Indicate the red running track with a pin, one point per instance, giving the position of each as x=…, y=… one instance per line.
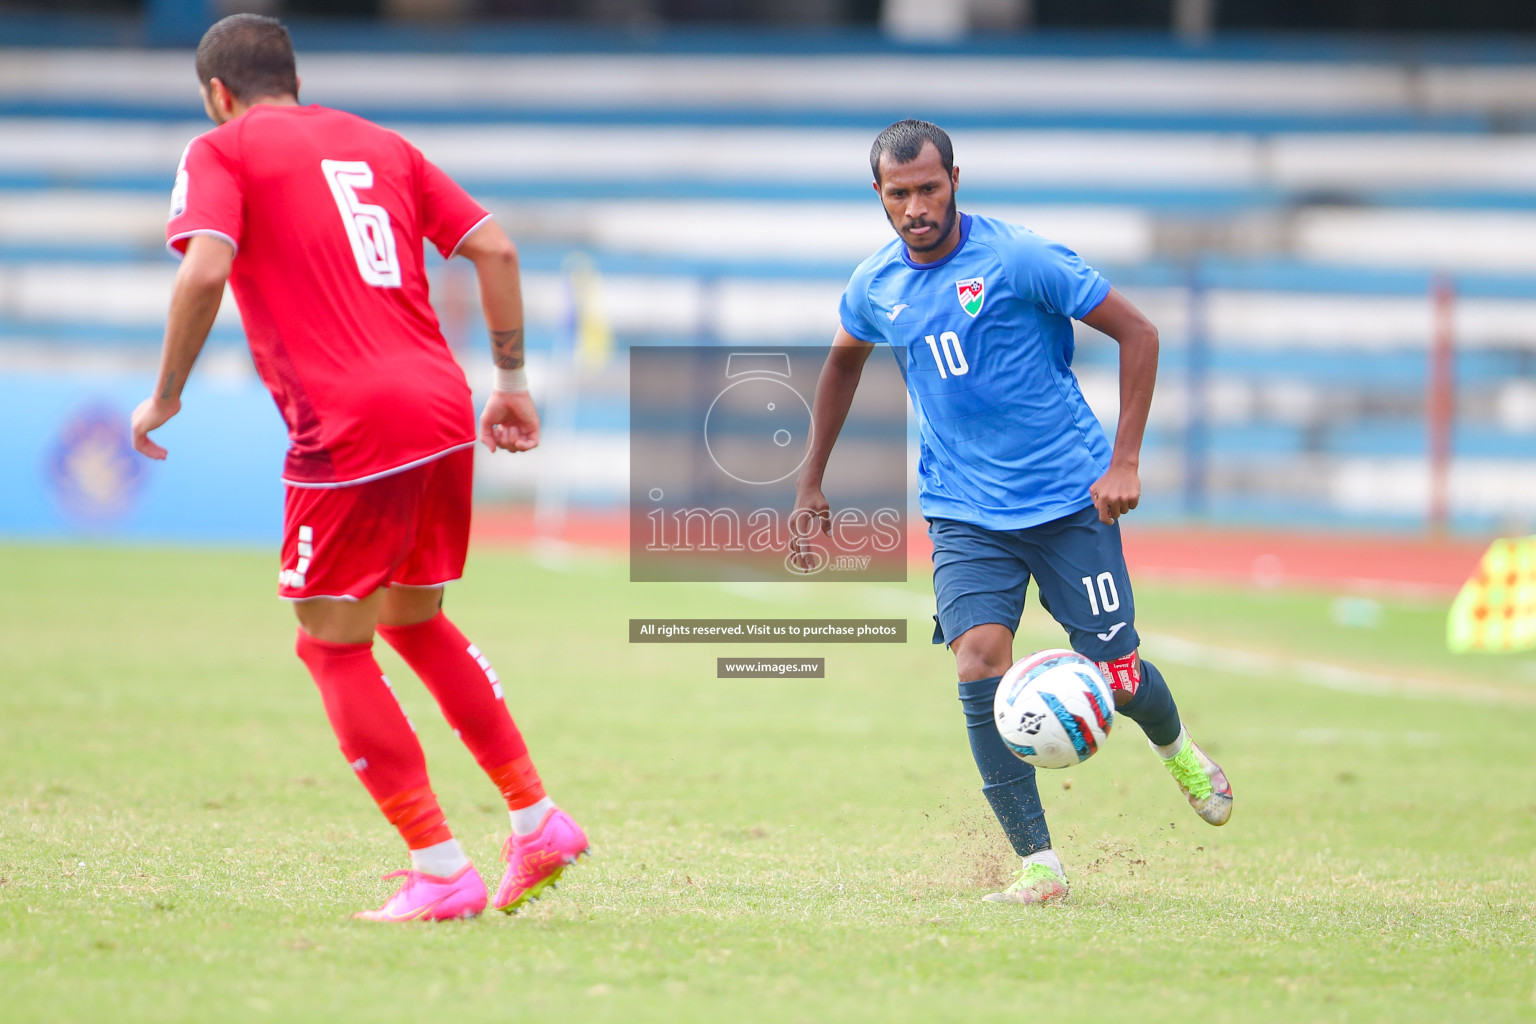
x=1383, y=563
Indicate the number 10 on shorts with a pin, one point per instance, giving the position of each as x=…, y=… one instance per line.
x=1107, y=597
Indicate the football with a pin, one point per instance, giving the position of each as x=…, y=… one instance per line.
x=1054, y=708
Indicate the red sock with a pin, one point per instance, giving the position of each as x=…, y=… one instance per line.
x=468, y=691
x=375, y=737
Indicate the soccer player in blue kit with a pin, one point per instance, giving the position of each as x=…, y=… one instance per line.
x=1016, y=478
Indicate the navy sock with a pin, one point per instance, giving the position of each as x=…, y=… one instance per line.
x=1153, y=708
x=1007, y=782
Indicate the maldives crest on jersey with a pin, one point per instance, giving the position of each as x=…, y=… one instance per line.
x=972, y=292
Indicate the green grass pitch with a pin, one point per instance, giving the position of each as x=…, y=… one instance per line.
x=181, y=841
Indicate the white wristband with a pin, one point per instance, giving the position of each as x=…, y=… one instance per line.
x=512, y=382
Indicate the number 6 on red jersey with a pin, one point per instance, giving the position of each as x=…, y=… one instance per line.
x=367, y=225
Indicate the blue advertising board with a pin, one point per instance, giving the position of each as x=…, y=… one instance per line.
x=68, y=469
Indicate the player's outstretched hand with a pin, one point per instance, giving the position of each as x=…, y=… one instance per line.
x=152, y=413
x=509, y=421
x=812, y=513
x=1116, y=492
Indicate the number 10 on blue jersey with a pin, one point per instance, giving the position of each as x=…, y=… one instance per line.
x=950, y=341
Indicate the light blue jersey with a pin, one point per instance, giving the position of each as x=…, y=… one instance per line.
x=984, y=337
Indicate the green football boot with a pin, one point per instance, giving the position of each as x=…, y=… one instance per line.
x=1203, y=782
x=1034, y=883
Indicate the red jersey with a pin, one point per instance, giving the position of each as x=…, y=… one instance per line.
x=327, y=213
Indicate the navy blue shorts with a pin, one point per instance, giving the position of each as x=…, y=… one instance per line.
x=981, y=575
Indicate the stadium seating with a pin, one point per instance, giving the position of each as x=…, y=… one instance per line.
x=1281, y=219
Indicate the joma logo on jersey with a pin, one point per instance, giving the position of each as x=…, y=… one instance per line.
x=971, y=292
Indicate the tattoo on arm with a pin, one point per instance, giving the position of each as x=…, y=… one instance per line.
x=507, y=348
x=170, y=385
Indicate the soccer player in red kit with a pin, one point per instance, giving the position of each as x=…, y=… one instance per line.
x=316, y=220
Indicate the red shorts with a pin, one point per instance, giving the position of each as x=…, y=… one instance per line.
x=410, y=528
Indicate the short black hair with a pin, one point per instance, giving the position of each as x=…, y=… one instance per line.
x=251, y=54
x=904, y=140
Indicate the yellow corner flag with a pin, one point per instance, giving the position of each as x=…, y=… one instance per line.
x=1496, y=609
x=589, y=319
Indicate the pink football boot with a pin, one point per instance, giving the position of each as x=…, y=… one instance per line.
x=430, y=898
x=535, y=861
